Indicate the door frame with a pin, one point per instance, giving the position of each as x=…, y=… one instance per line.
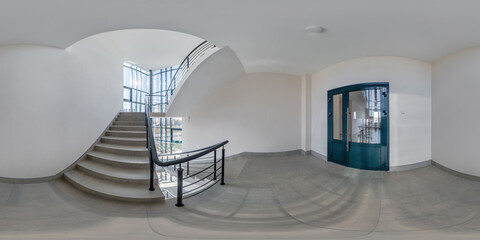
x=345, y=90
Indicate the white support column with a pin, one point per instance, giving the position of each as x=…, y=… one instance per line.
x=306, y=111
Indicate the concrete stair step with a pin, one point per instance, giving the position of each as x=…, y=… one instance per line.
x=125, y=141
x=129, y=123
x=122, y=149
x=133, y=134
x=115, y=173
x=131, y=114
x=128, y=128
x=113, y=190
x=135, y=119
x=119, y=160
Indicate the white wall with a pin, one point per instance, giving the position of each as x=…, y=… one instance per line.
x=258, y=112
x=54, y=104
x=213, y=69
x=410, y=103
x=455, y=111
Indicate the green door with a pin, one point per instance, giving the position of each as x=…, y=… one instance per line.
x=358, y=126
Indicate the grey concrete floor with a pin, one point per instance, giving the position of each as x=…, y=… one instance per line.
x=292, y=197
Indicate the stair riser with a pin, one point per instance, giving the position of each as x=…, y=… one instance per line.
x=129, y=123
x=104, y=195
x=118, y=164
x=115, y=179
x=128, y=128
x=135, y=119
x=122, y=151
x=127, y=134
x=125, y=142
x=130, y=114
x=142, y=116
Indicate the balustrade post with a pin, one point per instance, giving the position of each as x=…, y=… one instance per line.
x=215, y=165
x=152, y=167
x=146, y=126
x=179, y=188
x=188, y=166
x=223, y=166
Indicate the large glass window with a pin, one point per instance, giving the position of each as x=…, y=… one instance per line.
x=168, y=134
x=136, y=89
x=136, y=86
x=161, y=81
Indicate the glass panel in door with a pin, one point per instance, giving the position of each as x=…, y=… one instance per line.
x=364, y=116
x=366, y=129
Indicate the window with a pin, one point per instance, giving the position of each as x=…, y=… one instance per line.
x=136, y=88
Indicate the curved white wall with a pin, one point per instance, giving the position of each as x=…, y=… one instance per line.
x=213, y=69
x=410, y=103
x=55, y=103
x=455, y=111
x=257, y=112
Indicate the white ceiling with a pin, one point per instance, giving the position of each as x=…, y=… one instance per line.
x=267, y=35
x=153, y=49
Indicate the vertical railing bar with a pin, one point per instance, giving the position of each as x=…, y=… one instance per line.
x=179, y=188
x=215, y=164
x=223, y=166
x=188, y=166
x=152, y=167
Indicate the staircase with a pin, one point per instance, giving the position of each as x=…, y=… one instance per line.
x=118, y=166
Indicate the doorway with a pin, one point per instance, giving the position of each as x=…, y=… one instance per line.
x=358, y=126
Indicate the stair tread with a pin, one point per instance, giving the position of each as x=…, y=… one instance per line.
x=130, y=122
x=115, y=171
x=125, y=191
x=131, y=126
x=119, y=157
x=124, y=131
x=122, y=147
x=134, y=121
x=125, y=138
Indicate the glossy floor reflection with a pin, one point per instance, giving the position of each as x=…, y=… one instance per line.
x=291, y=197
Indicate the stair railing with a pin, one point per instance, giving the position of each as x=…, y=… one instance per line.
x=196, y=53
x=206, y=174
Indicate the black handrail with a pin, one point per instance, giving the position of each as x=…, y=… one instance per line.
x=153, y=158
x=181, y=153
x=189, y=60
x=192, y=157
x=186, y=61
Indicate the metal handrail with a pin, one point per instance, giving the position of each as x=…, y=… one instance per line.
x=181, y=153
x=183, y=62
x=166, y=94
x=187, y=61
x=153, y=158
x=191, y=157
